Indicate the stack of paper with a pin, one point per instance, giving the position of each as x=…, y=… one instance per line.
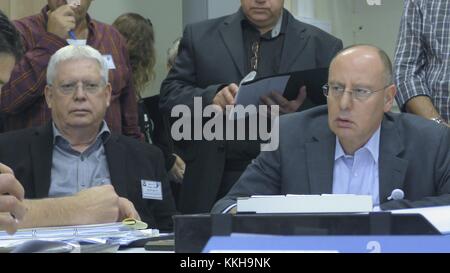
x=107, y=234
x=326, y=203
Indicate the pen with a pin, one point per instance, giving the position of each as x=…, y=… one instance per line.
x=72, y=35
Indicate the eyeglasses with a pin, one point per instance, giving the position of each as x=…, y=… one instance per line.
x=88, y=87
x=254, y=58
x=338, y=91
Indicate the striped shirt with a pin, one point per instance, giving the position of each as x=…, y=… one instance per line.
x=422, y=58
x=22, y=99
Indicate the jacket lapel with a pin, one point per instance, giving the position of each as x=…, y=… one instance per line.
x=231, y=32
x=392, y=169
x=320, y=161
x=41, y=158
x=295, y=41
x=116, y=158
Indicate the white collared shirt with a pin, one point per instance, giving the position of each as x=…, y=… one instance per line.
x=358, y=174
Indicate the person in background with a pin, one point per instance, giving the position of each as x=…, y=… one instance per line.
x=58, y=24
x=422, y=62
x=214, y=56
x=12, y=209
x=74, y=169
x=139, y=35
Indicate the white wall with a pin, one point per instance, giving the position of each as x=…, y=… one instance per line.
x=218, y=8
x=166, y=16
x=354, y=21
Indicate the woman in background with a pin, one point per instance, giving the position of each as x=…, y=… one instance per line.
x=138, y=31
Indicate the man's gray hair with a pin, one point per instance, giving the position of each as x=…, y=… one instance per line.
x=72, y=52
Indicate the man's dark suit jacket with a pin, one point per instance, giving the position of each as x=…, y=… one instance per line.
x=414, y=156
x=29, y=153
x=211, y=55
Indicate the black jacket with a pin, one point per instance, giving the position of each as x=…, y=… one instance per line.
x=211, y=55
x=29, y=153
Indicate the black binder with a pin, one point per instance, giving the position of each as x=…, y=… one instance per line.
x=312, y=79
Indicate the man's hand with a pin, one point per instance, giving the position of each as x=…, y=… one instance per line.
x=61, y=21
x=127, y=210
x=12, y=209
x=286, y=106
x=178, y=168
x=226, y=96
x=101, y=205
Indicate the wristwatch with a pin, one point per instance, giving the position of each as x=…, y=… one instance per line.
x=438, y=120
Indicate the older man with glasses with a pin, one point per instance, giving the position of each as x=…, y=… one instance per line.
x=74, y=169
x=355, y=145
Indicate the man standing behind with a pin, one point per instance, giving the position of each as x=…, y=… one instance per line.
x=422, y=60
x=22, y=98
x=214, y=57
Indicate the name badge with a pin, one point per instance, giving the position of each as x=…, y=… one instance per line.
x=151, y=190
x=109, y=61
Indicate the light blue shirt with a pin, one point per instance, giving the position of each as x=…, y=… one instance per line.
x=73, y=171
x=358, y=174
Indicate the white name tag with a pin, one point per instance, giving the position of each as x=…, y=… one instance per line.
x=151, y=190
x=109, y=61
x=76, y=42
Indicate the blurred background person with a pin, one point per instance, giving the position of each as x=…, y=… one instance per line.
x=22, y=99
x=422, y=60
x=140, y=39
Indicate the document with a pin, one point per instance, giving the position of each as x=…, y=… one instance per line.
x=438, y=216
x=326, y=203
x=288, y=85
x=120, y=234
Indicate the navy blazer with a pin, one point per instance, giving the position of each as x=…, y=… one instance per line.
x=29, y=153
x=414, y=156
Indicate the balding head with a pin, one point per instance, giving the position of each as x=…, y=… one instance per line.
x=370, y=50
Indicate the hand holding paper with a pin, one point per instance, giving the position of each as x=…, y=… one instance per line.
x=286, y=106
x=226, y=96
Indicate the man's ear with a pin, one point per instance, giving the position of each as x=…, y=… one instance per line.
x=48, y=96
x=389, y=97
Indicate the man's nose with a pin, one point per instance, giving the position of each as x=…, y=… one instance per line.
x=79, y=91
x=346, y=100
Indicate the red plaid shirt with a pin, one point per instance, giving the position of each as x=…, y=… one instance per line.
x=22, y=99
